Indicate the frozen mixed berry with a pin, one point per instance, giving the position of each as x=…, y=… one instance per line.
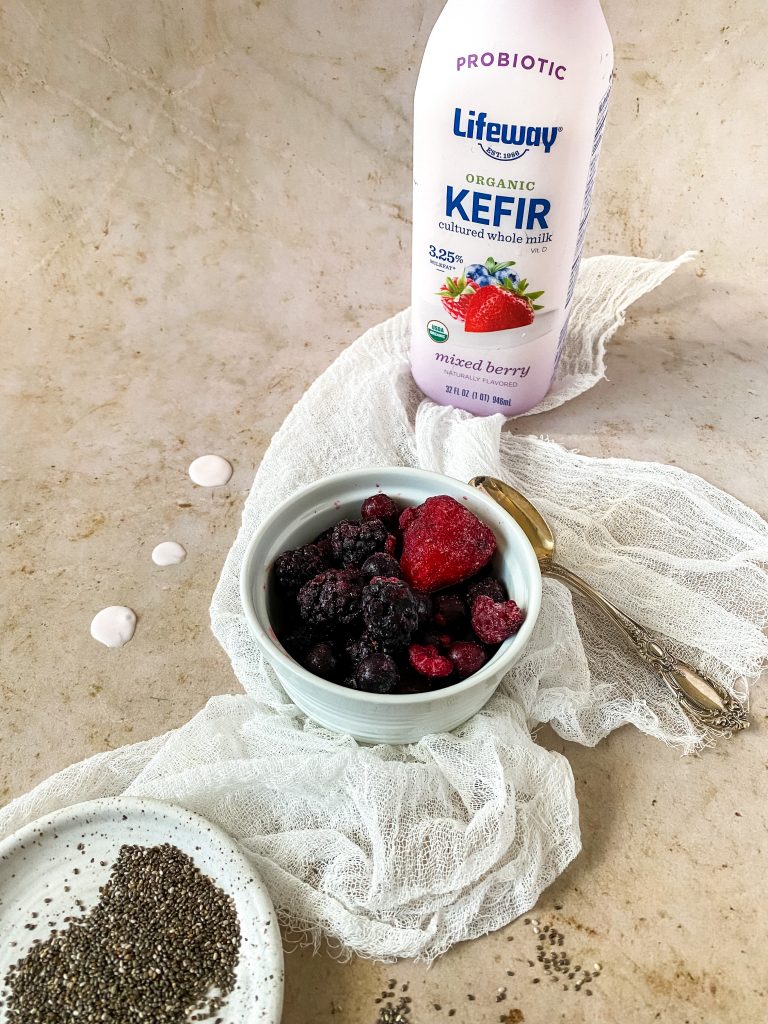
x=331, y=599
x=381, y=564
x=444, y=544
x=381, y=506
x=428, y=661
x=423, y=607
x=321, y=661
x=354, y=542
x=448, y=610
x=323, y=541
x=378, y=673
x=298, y=639
x=294, y=568
x=390, y=609
x=467, y=658
x=495, y=621
x=407, y=516
x=363, y=646
x=488, y=587
x=441, y=640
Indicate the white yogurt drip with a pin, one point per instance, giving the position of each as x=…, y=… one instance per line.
x=113, y=626
x=168, y=553
x=210, y=471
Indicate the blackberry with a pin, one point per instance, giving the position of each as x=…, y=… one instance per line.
x=390, y=609
x=378, y=673
x=354, y=542
x=489, y=586
x=294, y=568
x=331, y=599
x=381, y=564
x=381, y=506
x=363, y=646
x=321, y=661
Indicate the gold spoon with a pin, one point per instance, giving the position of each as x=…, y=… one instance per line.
x=707, y=703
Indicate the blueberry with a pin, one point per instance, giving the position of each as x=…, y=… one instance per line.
x=507, y=274
x=478, y=274
x=321, y=661
x=377, y=673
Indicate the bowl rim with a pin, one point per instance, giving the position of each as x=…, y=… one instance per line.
x=273, y=652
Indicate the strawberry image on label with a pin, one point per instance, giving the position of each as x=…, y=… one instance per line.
x=501, y=307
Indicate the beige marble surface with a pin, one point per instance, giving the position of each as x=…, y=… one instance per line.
x=201, y=205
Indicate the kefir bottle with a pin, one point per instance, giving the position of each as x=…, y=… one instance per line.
x=508, y=118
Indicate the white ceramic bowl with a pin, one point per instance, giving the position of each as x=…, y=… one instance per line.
x=372, y=717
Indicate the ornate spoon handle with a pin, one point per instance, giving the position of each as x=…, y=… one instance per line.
x=704, y=700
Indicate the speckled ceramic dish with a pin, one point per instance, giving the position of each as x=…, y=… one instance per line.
x=77, y=848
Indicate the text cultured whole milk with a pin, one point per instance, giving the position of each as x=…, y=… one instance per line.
x=508, y=118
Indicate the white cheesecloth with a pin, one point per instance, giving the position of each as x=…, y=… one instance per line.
x=340, y=832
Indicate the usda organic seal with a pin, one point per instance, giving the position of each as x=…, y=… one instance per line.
x=437, y=331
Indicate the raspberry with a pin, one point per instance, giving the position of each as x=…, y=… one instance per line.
x=380, y=506
x=444, y=544
x=448, y=610
x=381, y=564
x=294, y=568
x=321, y=661
x=390, y=610
x=488, y=587
x=494, y=621
x=363, y=646
x=467, y=658
x=378, y=673
x=354, y=542
x=333, y=598
x=407, y=516
x=428, y=661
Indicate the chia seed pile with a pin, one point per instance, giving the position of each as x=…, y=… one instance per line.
x=160, y=947
x=399, y=601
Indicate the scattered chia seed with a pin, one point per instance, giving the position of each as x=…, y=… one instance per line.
x=395, y=1014
x=162, y=936
x=554, y=962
